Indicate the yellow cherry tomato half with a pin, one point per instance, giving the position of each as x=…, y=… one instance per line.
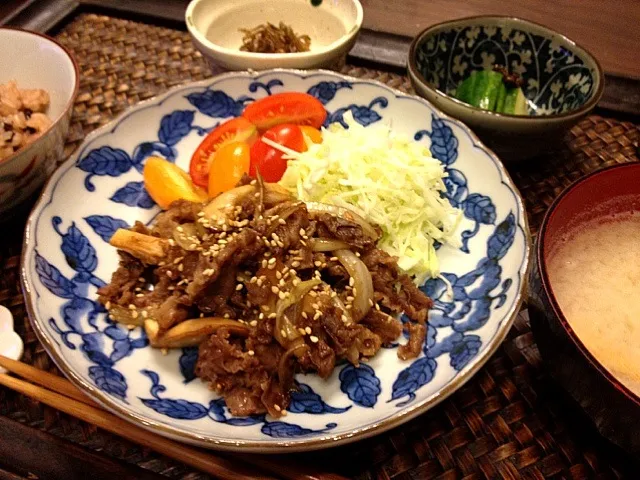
x=311, y=133
x=229, y=164
x=166, y=183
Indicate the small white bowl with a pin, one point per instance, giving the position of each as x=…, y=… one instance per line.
x=215, y=26
x=36, y=61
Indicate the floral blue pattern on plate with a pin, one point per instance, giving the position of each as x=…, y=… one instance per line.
x=67, y=257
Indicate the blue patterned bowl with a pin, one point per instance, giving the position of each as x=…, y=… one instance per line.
x=99, y=189
x=562, y=81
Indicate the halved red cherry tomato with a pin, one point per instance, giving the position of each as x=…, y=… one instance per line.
x=229, y=163
x=291, y=107
x=268, y=160
x=235, y=130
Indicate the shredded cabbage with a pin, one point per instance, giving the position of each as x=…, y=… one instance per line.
x=388, y=179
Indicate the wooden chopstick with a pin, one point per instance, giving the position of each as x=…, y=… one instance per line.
x=45, y=379
x=211, y=464
x=65, y=397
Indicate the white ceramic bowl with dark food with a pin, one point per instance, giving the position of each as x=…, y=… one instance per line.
x=36, y=61
x=613, y=408
x=215, y=26
x=563, y=82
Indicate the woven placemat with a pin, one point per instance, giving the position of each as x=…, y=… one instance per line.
x=509, y=421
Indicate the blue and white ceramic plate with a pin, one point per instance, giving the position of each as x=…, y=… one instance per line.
x=67, y=257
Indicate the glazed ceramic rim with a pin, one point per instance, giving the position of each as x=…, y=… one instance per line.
x=415, y=74
x=68, y=106
x=280, y=446
x=315, y=54
x=548, y=289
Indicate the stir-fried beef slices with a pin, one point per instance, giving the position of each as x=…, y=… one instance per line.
x=267, y=287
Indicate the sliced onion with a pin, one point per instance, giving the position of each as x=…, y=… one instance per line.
x=275, y=194
x=283, y=212
x=367, y=229
x=285, y=373
x=125, y=316
x=193, y=332
x=221, y=207
x=184, y=236
x=286, y=324
x=327, y=245
x=362, y=282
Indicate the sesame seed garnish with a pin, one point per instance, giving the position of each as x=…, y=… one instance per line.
x=296, y=281
x=131, y=327
x=357, y=254
x=281, y=283
x=370, y=303
x=344, y=318
x=239, y=287
x=226, y=315
x=317, y=263
x=308, y=330
x=282, y=295
x=295, y=264
x=302, y=232
x=333, y=259
x=264, y=264
x=350, y=298
x=137, y=289
x=169, y=273
x=271, y=266
x=132, y=306
x=178, y=260
x=107, y=305
x=134, y=314
x=172, y=242
x=139, y=295
x=275, y=236
x=253, y=323
x=272, y=315
x=377, y=307
x=313, y=338
x=315, y=306
x=313, y=294
x=303, y=243
x=251, y=353
x=348, y=307
x=144, y=313
x=355, y=291
x=253, y=279
x=261, y=316
x=302, y=331
x=271, y=261
x=304, y=315
x=164, y=351
x=259, y=282
x=181, y=267
x=352, y=281
x=275, y=289
x=317, y=315
x=201, y=315
x=277, y=407
x=282, y=221
x=111, y=317
x=283, y=333
x=278, y=275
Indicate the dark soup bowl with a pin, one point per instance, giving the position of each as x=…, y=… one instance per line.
x=582, y=301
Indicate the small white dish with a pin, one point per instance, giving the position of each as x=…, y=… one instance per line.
x=36, y=61
x=11, y=345
x=215, y=26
